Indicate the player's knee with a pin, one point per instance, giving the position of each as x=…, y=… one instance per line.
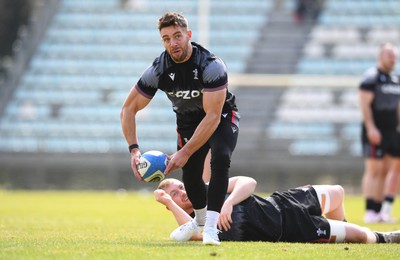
x=340, y=191
x=221, y=160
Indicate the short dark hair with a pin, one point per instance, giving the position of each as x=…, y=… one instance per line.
x=172, y=19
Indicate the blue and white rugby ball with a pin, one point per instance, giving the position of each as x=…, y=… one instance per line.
x=152, y=166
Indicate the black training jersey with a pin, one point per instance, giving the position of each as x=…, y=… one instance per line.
x=254, y=219
x=184, y=84
x=386, y=89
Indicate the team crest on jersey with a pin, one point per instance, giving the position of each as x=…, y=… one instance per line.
x=195, y=74
x=172, y=76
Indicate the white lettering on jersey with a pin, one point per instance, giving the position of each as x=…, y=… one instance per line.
x=391, y=89
x=321, y=232
x=185, y=94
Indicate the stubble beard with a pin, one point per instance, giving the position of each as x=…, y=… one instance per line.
x=183, y=57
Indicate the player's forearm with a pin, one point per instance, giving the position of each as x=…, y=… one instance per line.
x=180, y=215
x=128, y=124
x=367, y=117
x=243, y=189
x=365, y=100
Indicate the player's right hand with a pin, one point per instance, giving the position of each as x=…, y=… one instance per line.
x=135, y=158
x=374, y=136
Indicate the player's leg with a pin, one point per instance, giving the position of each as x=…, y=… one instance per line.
x=351, y=233
x=373, y=178
x=192, y=177
x=392, y=186
x=207, y=168
x=192, y=174
x=331, y=200
x=196, y=191
x=222, y=144
x=372, y=188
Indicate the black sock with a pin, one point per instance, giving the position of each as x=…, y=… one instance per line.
x=379, y=238
x=373, y=205
x=389, y=199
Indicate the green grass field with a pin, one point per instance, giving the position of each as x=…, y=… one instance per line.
x=118, y=225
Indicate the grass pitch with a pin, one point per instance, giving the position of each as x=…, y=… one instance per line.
x=121, y=225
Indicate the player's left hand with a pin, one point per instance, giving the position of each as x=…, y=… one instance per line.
x=225, y=216
x=162, y=197
x=176, y=161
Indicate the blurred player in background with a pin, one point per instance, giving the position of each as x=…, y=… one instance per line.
x=379, y=94
x=290, y=216
x=196, y=82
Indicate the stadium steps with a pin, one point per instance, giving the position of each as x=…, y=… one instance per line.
x=280, y=44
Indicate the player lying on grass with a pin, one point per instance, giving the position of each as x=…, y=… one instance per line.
x=294, y=215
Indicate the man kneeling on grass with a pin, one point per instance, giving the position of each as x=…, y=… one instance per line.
x=294, y=215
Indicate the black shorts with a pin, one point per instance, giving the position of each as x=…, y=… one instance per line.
x=301, y=216
x=390, y=144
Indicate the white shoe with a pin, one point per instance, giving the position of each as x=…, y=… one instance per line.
x=391, y=237
x=210, y=236
x=372, y=217
x=386, y=218
x=185, y=232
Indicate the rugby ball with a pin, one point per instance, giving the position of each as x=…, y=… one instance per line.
x=152, y=165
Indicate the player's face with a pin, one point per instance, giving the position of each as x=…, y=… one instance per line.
x=176, y=41
x=178, y=194
x=388, y=59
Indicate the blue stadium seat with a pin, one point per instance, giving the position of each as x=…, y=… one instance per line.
x=287, y=130
x=316, y=147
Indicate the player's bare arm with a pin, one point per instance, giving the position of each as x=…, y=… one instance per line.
x=212, y=103
x=240, y=188
x=164, y=198
x=366, y=98
x=133, y=104
x=180, y=215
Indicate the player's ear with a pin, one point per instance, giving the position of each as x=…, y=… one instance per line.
x=189, y=33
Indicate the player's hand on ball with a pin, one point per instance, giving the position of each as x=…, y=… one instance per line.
x=176, y=161
x=135, y=159
x=152, y=165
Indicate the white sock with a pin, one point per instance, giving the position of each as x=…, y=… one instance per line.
x=387, y=208
x=212, y=219
x=200, y=216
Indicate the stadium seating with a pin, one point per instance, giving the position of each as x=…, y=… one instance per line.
x=344, y=41
x=317, y=122
x=348, y=33
x=92, y=54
